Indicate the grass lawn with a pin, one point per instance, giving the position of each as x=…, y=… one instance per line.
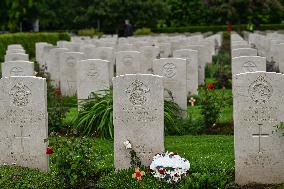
x=210, y=156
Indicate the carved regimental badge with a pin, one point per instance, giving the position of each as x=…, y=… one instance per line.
x=249, y=67
x=20, y=95
x=169, y=70
x=137, y=92
x=260, y=90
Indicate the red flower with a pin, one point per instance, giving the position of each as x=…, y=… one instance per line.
x=162, y=171
x=229, y=27
x=138, y=174
x=57, y=91
x=49, y=150
x=176, y=175
x=210, y=86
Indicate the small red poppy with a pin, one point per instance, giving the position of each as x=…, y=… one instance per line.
x=162, y=171
x=49, y=150
x=210, y=86
x=57, y=92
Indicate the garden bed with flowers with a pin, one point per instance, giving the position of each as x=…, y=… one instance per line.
x=88, y=163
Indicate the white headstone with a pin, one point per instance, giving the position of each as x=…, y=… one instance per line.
x=23, y=120
x=138, y=116
x=68, y=72
x=17, y=68
x=16, y=56
x=244, y=64
x=258, y=107
x=128, y=62
x=191, y=57
x=92, y=76
x=149, y=53
x=244, y=52
x=174, y=72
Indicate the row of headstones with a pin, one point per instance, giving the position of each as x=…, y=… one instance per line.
x=245, y=57
x=258, y=97
x=16, y=62
x=138, y=108
x=271, y=46
x=92, y=69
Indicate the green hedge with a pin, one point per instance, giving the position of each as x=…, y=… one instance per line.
x=28, y=41
x=214, y=28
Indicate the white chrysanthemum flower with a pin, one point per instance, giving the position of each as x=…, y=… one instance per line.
x=127, y=144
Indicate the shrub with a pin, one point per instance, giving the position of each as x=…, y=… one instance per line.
x=57, y=106
x=211, y=104
x=89, y=32
x=95, y=117
x=76, y=162
x=20, y=177
x=28, y=40
x=143, y=31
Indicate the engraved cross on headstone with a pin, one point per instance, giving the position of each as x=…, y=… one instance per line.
x=260, y=135
x=22, y=137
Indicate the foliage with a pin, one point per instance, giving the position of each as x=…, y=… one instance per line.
x=57, y=106
x=28, y=41
x=172, y=118
x=95, y=117
x=76, y=161
x=89, y=32
x=211, y=158
x=19, y=178
x=143, y=31
x=211, y=103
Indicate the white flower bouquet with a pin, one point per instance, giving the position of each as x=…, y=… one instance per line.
x=169, y=167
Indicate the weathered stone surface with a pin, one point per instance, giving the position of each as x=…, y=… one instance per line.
x=174, y=72
x=244, y=52
x=128, y=62
x=16, y=56
x=149, y=53
x=244, y=64
x=68, y=72
x=258, y=107
x=191, y=57
x=92, y=76
x=17, y=68
x=23, y=120
x=138, y=116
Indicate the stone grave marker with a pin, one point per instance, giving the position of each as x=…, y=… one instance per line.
x=105, y=53
x=53, y=64
x=92, y=76
x=16, y=56
x=17, y=68
x=244, y=52
x=149, y=53
x=128, y=62
x=191, y=57
x=15, y=46
x=68, y=72
x=174, y=72
x=138, y=116
x=244, y=64
x=258, y=107
x=23, y=120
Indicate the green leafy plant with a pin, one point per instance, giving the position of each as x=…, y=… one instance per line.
x=143, y=31
x=75, y=162
x=28, y=41
x=95, y=116
x=89, y=32
x=211, y=103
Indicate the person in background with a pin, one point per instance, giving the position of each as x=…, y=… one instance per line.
x=128, y=29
